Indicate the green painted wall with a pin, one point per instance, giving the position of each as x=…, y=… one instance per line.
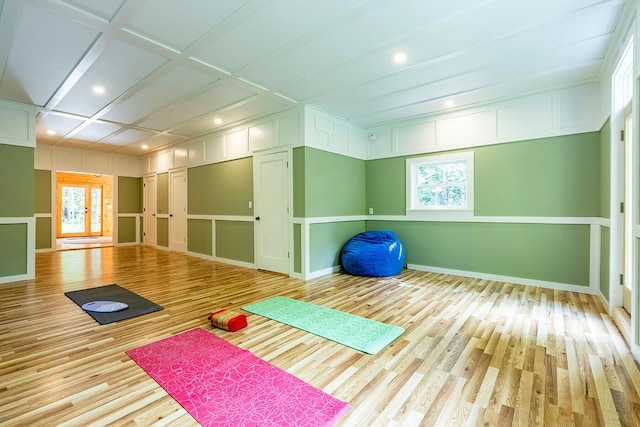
x=543, y=177
x=549, y=252
x=326, y=241
x=13, y=248
x=162, y=229
x=605, y=170
x=221, y=188
x=16, y=182
x=199, y=232
x=556, y=176
x=298, y=172
x=335, y=185
x=234, y=240
x=126, y=230
x=163, y=194
x=17, y=194
x=42, y=191
x=43, y=233
x=297, y=248
x=386, y=192
x=129, y=201
x=326, y=185
x=129, y=195
x=42, y=205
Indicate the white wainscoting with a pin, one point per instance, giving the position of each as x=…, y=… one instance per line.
x=594, y=250
x=214, y=256
x=31, y=248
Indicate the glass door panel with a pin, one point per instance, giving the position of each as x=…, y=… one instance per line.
x=73, y=220
x=81, y=210
x=96, y=211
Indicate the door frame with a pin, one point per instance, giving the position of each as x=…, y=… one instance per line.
x=107, y=208
x=623, y=261
x=289, y=199
x=630, y=200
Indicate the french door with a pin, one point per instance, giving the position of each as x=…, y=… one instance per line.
x=81, y=210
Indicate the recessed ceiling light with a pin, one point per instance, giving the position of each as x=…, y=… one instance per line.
x=98, y=89
x=217, y=120
x=400, y=58
x=145, y=146
x=51, y=132
x=449, y=103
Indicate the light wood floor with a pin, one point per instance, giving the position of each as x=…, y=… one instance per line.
x=70, y=245
x=475, y=352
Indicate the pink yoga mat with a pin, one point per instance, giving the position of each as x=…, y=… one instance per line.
x=220, y=384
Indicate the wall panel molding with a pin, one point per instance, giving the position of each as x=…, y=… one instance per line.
x=594, y=250
x=53, y=158
x=555, y=113
x=278, y=130
x=30, y=237
x=17, y=124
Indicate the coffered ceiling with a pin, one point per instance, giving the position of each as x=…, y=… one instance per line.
x=115, y=75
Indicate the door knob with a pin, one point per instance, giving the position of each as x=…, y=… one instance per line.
x=257, y=218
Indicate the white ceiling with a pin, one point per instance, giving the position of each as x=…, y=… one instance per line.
x=169, y=68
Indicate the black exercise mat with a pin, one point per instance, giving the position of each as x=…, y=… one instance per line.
x=137, y=305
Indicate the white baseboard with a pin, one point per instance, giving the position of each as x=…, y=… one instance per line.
x=508, y=279
x=222, y=260
x=320, y=273
x=235, y=262
x=16, y=278
x=604, y=302
x=199, y=255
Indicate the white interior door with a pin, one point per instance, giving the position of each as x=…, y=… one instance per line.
x=150, y=210
x=178, y=211
x=271, y=209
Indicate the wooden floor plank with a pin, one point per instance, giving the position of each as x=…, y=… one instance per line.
x=474, y=352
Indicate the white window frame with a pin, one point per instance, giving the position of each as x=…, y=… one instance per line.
x=412, y=195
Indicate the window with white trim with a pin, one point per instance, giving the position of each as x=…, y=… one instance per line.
x=440, y=182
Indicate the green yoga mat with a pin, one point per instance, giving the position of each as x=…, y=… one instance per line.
x=357, y=332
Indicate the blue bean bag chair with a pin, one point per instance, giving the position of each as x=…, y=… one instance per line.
x=373, y=253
